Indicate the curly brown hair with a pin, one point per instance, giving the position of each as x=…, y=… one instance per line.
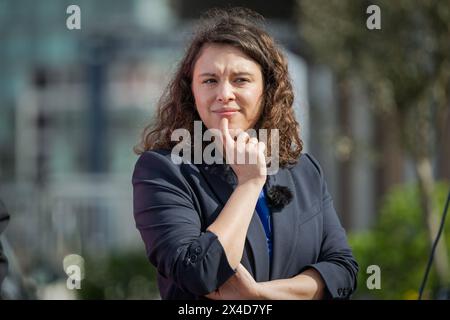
x=243, y=29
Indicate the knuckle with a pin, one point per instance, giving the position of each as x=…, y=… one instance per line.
x=244, y=135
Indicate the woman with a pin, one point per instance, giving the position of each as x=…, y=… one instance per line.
x=231, y=231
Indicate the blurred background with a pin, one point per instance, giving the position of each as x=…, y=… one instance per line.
x=373, y=105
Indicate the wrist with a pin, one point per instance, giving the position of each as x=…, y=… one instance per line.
x=258, y=183
x=260, y=291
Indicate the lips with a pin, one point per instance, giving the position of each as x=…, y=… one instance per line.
x=226, y=111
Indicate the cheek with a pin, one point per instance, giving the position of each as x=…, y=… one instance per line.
x=202, y=99
x=203, y=103
x=253, y=100
x=202, y=108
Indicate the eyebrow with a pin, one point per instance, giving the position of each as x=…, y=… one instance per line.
x=209, y=74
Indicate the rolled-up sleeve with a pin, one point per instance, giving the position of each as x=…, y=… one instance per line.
x=171, y=228
x=336, y=263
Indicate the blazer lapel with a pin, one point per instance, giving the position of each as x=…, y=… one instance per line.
x=256, y=237
x=223, y=184
x=284, y=228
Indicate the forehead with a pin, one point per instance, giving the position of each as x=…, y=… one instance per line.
x=222, y=57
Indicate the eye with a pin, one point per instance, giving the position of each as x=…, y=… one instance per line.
x=242, y=80
x=208, y=81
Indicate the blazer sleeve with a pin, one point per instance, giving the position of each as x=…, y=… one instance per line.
x=336, y=263
x=170, y=227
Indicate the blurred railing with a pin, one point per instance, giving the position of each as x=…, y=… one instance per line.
x=85, y=215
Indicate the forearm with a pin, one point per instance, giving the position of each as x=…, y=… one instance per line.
x=307, y=285
x=232, y=223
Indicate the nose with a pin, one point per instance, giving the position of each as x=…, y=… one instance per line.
x=225, y=92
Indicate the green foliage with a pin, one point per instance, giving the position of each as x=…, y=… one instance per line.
x=404, y=65
x=411, y=45
x=124, y=275
x=399, y=245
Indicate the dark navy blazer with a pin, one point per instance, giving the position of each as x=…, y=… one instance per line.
x=174, y=204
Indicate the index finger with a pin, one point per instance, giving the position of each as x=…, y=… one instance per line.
x=224, y=129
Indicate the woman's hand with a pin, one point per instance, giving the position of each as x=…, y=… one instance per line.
x=231, y=225
x=241, y=286
x=245, y=155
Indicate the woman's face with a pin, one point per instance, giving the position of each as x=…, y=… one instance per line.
x=227, y=83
